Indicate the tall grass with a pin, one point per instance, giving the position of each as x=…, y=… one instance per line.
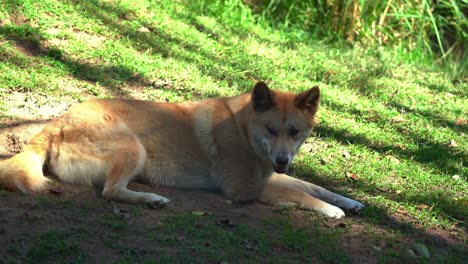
x=438, y=29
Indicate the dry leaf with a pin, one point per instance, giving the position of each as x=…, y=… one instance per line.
x=461, y=121
x=397, y=119
x=402, y=147
x=402, y=211
x=352, y=176
x=424, y=207
x=199, y=213
x=393, y=159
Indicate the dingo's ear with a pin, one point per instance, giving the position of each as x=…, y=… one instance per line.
x=308, y=100
x=261, y=97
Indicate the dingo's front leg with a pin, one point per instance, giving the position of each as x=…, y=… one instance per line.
x=282, y=188
x=277, y=194
x=317, y=191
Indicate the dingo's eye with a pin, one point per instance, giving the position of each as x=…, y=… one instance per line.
x=293, y=132
x=272, y=131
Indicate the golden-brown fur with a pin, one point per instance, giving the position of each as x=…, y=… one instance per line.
x=240, y=145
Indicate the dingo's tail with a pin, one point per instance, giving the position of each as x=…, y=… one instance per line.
x=24, y=170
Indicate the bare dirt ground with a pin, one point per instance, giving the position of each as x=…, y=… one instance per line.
x=70, y=207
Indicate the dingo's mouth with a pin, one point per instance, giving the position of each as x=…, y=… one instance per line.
x=280, y=168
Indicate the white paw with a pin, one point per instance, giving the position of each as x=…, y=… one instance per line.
x=156, y=201
x=350, y=204
x=332, y=211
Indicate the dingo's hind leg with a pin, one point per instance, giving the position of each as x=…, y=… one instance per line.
x=127, y=162
x=117, y=190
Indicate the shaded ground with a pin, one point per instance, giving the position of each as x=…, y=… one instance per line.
x=81, y=210
x=74, y=224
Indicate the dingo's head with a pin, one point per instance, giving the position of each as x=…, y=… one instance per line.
x=280, y=123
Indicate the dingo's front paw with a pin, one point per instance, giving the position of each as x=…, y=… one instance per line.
x=350, y=204
x=157, y=202
x=332, y=212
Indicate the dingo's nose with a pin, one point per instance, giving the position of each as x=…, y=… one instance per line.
x=282, y=160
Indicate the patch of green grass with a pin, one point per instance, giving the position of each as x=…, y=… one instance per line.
x=212, y=241
x=113, y=221
x=396, y=124
x=419, y=30
x=114, y=241
x=84, y=209
x=53, y=245
x=313, y=242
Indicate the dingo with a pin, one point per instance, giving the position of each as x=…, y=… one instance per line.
x=240, y=145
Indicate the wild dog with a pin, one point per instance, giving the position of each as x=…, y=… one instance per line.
x=241, y=145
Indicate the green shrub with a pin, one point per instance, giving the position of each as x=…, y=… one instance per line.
x=433, y=29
